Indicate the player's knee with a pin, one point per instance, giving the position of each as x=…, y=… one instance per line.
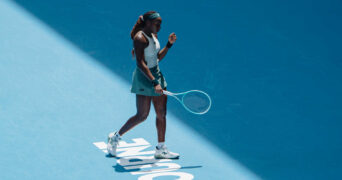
x=161, y=115
x=142, y=117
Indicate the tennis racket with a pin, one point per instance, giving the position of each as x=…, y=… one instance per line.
x=194, y=101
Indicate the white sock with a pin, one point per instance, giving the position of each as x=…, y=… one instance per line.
x=160, y=144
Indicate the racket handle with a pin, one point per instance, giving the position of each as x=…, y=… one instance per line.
x=167, y=92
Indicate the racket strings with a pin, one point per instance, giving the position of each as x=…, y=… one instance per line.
x=197, y=102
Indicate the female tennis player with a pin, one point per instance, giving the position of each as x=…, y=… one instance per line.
x=148, y=82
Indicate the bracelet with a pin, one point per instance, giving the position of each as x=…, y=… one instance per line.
x=155, y=82
x=169, y=45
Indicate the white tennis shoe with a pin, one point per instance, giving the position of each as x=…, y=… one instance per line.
x=113, y=141
x=164, y=153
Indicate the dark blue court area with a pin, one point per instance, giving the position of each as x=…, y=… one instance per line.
x=273, y=70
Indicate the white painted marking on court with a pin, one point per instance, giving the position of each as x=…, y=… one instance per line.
x=131, y=158
x=170, y=167
x=100, y=145
x=126, y=161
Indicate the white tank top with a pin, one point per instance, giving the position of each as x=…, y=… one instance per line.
x=151, y=51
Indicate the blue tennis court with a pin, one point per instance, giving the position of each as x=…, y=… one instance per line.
x=273, y=70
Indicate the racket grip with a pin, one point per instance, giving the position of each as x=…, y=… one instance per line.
x=167, y=93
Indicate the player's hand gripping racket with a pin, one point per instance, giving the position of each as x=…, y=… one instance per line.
x=195, y=101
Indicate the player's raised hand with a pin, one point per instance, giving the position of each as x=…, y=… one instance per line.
x=172, y=38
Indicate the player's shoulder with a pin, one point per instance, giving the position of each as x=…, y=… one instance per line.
x=140, y=38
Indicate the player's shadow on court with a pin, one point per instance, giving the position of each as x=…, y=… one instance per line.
x=126, y=169
x=110, y=156
x=145, y=165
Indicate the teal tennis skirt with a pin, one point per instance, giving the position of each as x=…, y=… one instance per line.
x=143, y=86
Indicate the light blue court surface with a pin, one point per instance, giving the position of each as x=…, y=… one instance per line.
x=272, y=69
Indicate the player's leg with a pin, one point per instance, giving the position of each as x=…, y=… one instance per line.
x=143, y=104
x=159, y=103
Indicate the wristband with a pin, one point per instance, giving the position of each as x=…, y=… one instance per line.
x=155, y=82
x=169, y=45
